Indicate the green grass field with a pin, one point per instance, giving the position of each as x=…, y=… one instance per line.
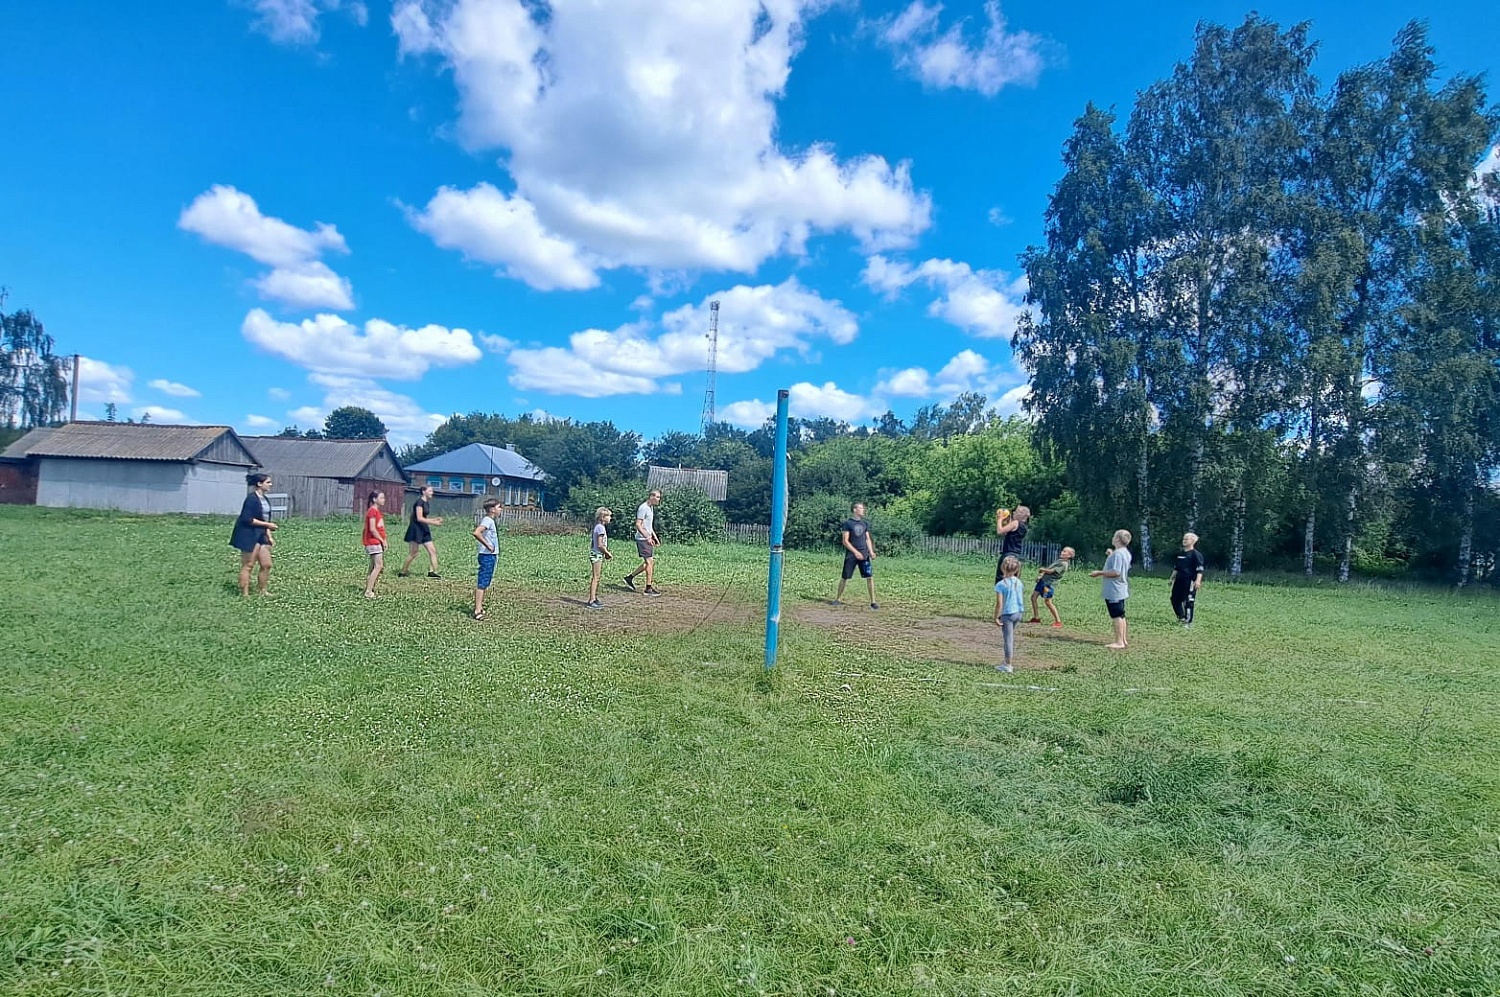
x=315, y=794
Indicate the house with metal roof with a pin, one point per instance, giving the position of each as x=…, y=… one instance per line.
x=129, y=467
x=480, y=469
x=330, y=477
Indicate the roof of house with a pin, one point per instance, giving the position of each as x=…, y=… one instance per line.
x=134, y=441
x=714, y=484
x=480, y=459
x=318, y=458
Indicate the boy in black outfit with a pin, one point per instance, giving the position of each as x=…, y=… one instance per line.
x=1187, y=578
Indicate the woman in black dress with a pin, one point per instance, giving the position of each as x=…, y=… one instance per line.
x=419, y=535
x=252, y=533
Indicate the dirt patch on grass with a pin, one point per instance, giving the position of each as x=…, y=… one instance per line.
x=961, y=640
x=676, y=611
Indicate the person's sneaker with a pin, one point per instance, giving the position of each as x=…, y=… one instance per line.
x=1057, y=625
x=1007, y=669
x=402, y=574
x=835, y=602
x=874, y=605
x=433, y=574
x=652, y=590
x=1035, y=619
x=629, y=582
x=596, y=604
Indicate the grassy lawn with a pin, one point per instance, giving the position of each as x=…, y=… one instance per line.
x=316, y=794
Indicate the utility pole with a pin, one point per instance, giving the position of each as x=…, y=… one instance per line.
x=713, y=365
x=73, y=405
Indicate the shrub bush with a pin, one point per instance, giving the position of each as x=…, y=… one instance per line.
x=688, y=515
x=895, y=534
x=813, y=522
x=622, y=498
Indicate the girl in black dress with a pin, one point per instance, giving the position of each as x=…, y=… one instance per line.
x=252, y=533
x=419, y=535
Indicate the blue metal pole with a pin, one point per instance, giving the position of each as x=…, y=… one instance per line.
x=778, y=531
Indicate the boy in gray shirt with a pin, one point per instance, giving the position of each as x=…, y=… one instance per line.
x=1116, y=586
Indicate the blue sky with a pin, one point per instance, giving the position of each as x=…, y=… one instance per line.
x=252, y=211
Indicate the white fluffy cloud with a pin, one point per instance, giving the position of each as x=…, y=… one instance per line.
x=310, y=285
x=173, y=388
x=102, y=383
x=640, y=133
x=805, y=400
x=404, y=418
x=295, y=22
x=967, y=371
x=330, y=345
x=984, y=303
x=230, y=218
x=948, y=60
x=259, y=422
x=755, y=323
x=160, y=414
x=1010, y=403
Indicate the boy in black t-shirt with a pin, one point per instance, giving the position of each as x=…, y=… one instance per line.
x=1012, y=531
x=859, y=552
x=1187, y=578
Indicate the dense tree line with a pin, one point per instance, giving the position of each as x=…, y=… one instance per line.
x=1269, y=313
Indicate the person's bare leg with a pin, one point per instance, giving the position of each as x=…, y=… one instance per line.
x=478, y=602
x=1051, y=608
x=1035, y=615
x=1119, y=628
x=431, y=555
x=377, y=565
x=839, y=595
x=594, y=580
x=246, y=559
x=871, y=582
x=411, y=557
x=263, y=576
x=650, y=572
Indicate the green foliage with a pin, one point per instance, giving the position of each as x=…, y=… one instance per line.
x=351, y=422
x=812, y=522
x=33, y=379
x=621, y=497
x=958, y=485
x=688, y=515
x=895, y=534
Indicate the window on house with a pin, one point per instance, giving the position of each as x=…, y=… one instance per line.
x=456, y=484
x=434, y=482
x=476, y=485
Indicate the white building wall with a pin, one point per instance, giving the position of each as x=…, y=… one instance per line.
x=140, y=486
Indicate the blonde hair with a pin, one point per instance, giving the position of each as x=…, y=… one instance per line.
x=1190, y=536
x=1023, y=512
x=1010, y=566
x=601, y=512
x=1122, y=538
x=1068, y=552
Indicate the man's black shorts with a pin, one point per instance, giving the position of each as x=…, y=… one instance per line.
x=865, y=565
x=1116, y=609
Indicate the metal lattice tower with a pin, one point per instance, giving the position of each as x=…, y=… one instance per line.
x=713, y=365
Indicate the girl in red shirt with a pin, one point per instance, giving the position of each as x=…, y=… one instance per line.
x=374, y=540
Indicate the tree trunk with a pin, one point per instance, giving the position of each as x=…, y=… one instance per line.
x=1143, y=485
x=1308, y=536
x=1237, y=550
x=1197, y=479
x=1348, y=554
x=1466, y=540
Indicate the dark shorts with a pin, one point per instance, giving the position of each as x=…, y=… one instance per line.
x=1116, y=609
x=418, y=533
x=866, y=567
x=645, y=548
x=1043, y=588
x=486, y=570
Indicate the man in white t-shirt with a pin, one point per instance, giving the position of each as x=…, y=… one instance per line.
x=646, y=542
